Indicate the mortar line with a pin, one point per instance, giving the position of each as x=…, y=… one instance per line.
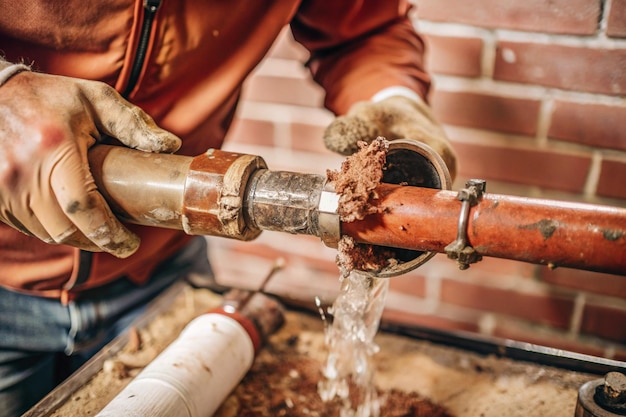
x=603, y=23
x=546, y=109
x=593, y=176
x=454, y=83
x=609, y=352
x=487, y=323
x=595, y=40
x=433, y=290
x=488, y=56
x=577, y=315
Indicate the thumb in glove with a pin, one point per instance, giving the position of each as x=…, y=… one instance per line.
x=47, y=125
x=396, y=117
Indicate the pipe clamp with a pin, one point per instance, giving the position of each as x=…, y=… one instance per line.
x=460, y=250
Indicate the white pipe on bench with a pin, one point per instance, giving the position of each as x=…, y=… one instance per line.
x=193, y=376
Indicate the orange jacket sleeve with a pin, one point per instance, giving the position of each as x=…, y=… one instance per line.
x=359, y=48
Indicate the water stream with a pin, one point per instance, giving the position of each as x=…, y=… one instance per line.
x=348, y=372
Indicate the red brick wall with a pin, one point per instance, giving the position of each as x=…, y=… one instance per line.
x=533, y=97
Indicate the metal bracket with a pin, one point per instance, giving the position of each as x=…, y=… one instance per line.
x=460, y=250
x=328, y=218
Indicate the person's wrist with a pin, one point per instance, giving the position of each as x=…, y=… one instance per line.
x=9, y=70
x=397, y=91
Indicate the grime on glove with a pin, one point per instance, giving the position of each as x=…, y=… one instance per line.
x=395, y=117
x=47, y=125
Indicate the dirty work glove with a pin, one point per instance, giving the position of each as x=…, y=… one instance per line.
x=395, y=117
x=47, y=124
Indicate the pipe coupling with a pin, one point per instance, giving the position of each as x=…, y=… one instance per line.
x=215, y=192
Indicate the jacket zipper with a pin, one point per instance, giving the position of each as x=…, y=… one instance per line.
x=151, y=7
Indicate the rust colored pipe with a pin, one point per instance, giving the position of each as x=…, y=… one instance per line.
x=553, y=233
x=233, y=195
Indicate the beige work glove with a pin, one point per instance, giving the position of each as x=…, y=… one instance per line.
x=396, y=117
x=47, y=124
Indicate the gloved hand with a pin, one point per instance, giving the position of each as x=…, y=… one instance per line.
x=47, y=124
x=395, y=117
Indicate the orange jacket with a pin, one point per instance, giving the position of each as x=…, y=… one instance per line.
x=197, y=54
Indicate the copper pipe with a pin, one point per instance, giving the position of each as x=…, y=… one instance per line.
x=553, y=233
x=203, y=195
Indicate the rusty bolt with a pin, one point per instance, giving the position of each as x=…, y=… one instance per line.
x=479, y=185
x=615, y=387
x=612, y=394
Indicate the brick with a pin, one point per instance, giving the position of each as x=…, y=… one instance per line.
x=409, y=285
x=539, y=167
x=595, y=125
x=605, y=322
x=251, y=132
x=593, y=282
x=489, y=271
x=612, y=176
x=498, y=268
x=555, y=340
x=503, y=114
x=616, y=25
x=620, y=355
x=576, y=17
x=392, y=317
x=308, y=138
x=304, y=277
x=311, y=260
x=478, y=275
x=285, y=47
x=539, y=308
x=566, y=67
x=284, y=90
x=453, y=55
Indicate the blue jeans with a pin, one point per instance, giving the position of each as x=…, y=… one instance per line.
x=42, y=341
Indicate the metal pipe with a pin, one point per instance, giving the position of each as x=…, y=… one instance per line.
x=233, y=195
x=284, y=201
x=141, y=187
x=202, y=195
x=553, y=233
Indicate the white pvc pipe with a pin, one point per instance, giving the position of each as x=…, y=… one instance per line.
x=193, y=376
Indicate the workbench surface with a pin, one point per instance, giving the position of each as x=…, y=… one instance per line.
x=463, y=383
